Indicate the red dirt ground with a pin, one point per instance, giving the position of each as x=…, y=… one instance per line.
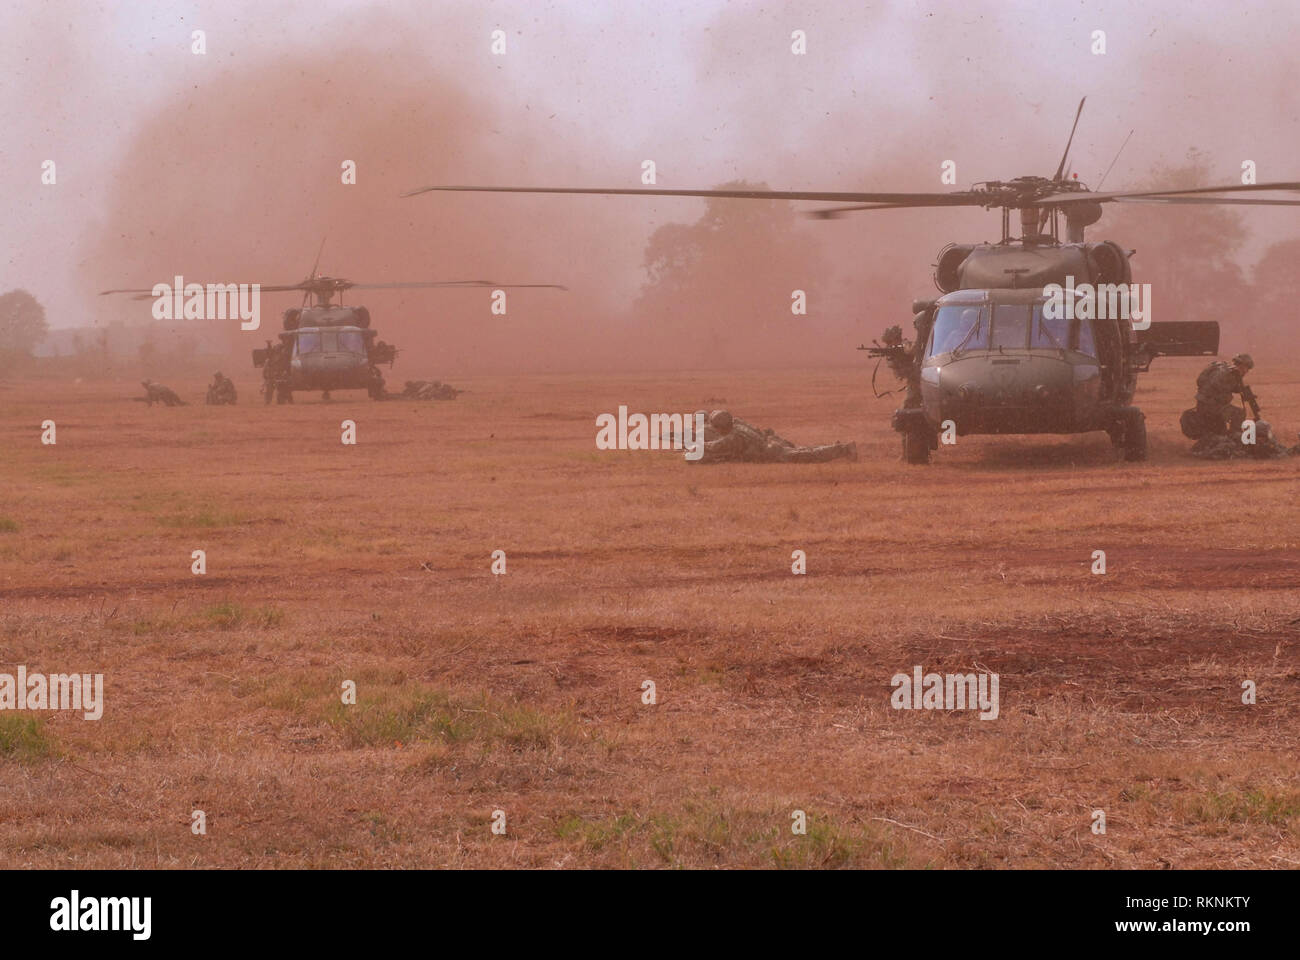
x=523, y=692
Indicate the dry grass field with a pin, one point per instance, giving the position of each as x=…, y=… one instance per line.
x=523, y=692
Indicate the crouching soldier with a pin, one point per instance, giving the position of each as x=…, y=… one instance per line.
x=1214, y=415
x=157, y=393
x=221, y=390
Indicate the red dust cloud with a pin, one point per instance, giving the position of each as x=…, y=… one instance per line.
x=240, y=179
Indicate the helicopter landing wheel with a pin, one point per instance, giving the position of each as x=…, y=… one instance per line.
x=1129, y=435
x=916, y=443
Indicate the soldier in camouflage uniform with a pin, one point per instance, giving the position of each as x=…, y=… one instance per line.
x=1228, y=446
x=1214, y=415
x=275, y=374
x=221, y=390
x=430, y=390
x=730, y=438
x=157, y=393
x=1271, y=448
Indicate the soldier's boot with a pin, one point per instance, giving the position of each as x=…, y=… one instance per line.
x=1192, y=424
x=840, y=451
x=847, y=451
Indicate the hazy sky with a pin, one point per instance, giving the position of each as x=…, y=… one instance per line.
x=586, y=91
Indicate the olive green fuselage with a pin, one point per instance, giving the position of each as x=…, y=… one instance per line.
x=991, y=362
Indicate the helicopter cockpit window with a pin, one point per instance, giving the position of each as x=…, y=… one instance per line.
x=959, y=328
x=1011, y=326
x=308, y=343
x=350, y=341
x=1053, y=333
x=1085, y=344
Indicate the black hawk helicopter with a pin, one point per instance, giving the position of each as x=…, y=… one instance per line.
x=328, y=346
x=989, y=356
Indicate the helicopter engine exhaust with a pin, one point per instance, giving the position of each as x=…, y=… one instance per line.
x=1077, y=217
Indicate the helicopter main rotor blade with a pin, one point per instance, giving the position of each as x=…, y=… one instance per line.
x=280, y=287
x=421, y=283
x=922, y=199
x=1086, y=197
x=141, y=294
x=148, y=294
x=1272, y=203
x=833, y=213
x=467, y=284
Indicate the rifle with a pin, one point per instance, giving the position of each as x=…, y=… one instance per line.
x=888, y=352
x=897, y=354
x=894, y=348
x=1248, y=397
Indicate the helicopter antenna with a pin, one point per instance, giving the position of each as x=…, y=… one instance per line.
x=1060, y=168
x=306, y=294
x=318, y=253
x=1112, y=163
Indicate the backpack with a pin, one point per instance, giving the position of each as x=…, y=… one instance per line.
x=1209, y=373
